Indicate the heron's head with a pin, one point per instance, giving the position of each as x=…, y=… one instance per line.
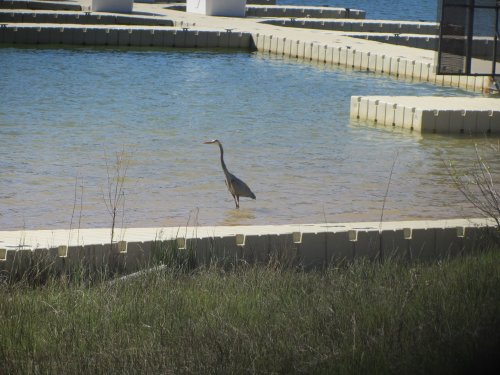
x=211, y=142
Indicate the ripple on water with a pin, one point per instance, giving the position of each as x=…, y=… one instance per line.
x=285, y=127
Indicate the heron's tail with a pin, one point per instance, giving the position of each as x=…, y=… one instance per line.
x=252, y=195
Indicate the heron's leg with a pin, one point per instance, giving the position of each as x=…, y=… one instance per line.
x=235, y=201
x=238, y=200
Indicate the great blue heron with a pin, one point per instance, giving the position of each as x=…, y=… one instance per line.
x=236, y=187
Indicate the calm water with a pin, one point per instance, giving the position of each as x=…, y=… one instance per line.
x=284, y=124
x=424, y=10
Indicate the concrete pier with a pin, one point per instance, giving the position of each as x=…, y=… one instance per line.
x=429, y=114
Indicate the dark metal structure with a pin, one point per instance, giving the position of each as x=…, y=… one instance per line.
x=469, y=37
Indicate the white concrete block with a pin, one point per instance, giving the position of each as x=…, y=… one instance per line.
x=402, y=68
x=390, y=114
x=442, y=121
x=448, y=242
x=315, y=48
x=301, y=50
x=356, y=59
x=308, y=48
x=355, y=106
x=372, y=62
x=329, y=55
x=190, y=38
x=394, y=245
x=280, y=46
x=408, y=117
x=495, y=121
x=381, y=112
x=256, y=249
x=422, y=244
x=124, y=36
x=426, y=72
x=399, y=116
x=367, y=244
x=343, y=56
x=336, y=55
x=349, y=58
x=417, y=71
x=294, y=47
x=267, y=43
x=282, y=250
x=371, y=114
x=213, y=39
x=313, y=250
x=394, y=68
x=364, y=105
x=339, y=248
x=410, y=68
x=273, y=48
x=42, y=35
x=424, y=121
x=322, y=51
x=483, y=119
x=135, y=37
x=456, y=123
x=386, y=64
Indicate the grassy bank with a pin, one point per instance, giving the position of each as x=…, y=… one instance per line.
x=362, y=318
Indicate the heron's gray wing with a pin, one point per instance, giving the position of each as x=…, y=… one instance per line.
x=240, y=188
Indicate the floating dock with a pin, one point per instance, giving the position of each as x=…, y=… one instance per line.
x=430, y=114
x=308, y=246
x=70, y=23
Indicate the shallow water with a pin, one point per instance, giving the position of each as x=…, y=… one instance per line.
x=284, y=124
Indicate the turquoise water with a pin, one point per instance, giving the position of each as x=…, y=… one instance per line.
x=415, y=10
x=284, y=125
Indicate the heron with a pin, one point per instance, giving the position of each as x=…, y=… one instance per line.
x=236, y=187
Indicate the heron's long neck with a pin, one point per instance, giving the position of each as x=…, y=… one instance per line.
x=224, y=168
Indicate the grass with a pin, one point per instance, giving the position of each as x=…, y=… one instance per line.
x=361, y=318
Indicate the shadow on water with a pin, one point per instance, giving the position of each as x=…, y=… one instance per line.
x=238, y=216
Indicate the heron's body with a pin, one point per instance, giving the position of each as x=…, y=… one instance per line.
x=236, y=187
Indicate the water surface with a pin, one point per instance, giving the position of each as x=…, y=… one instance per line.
x=284, y=124
x=414, y=10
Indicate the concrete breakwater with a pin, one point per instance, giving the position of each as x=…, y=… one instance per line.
x=308, y=246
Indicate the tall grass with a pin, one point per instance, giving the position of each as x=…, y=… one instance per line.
x=362, y=318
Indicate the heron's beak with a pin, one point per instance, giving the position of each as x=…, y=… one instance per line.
x=208, y=142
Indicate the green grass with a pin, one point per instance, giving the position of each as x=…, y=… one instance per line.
x=362, y=318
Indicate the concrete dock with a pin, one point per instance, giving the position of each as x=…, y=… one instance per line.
x=428, y=114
